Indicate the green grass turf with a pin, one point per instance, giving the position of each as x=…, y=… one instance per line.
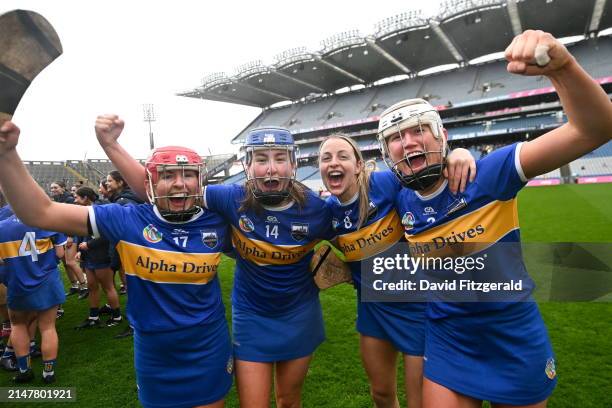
x=101, y=368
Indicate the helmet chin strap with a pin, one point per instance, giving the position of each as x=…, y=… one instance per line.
x=180, y=216
x=421, y=180
x=270, y=198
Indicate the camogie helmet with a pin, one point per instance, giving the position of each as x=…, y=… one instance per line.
x=268, y=139
x=408, y=114
x=164, y=159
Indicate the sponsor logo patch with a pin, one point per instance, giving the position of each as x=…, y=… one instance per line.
x=271, y=219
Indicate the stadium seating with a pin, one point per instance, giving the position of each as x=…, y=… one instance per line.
x=47, y=172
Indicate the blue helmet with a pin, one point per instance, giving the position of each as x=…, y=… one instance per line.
x=269, y=138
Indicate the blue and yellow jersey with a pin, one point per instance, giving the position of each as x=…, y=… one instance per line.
x=171, y=268
x=28, y=254
x=381, y=230
x=5, y=212
x=481, y=217
x=273, y=249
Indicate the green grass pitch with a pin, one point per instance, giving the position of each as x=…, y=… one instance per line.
x=101, y=368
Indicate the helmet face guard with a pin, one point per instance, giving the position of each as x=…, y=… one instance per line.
x=408, y=114
x=163, y=164
x=269, y=140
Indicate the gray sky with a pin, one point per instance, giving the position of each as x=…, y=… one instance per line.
x=119, y=55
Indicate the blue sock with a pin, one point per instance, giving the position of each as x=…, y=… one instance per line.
x=48, y=368
x=23, y=363
x=8, y=352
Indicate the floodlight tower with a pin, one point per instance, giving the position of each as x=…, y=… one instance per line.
x=149, y=116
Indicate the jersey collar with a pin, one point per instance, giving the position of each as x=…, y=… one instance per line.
x=433, y=195
x=280, y=208
x=349, y=201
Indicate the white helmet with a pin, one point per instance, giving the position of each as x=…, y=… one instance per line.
x=407, y=114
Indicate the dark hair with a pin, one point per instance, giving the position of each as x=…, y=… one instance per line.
x=115, y=175
x=60, y=183
x=87, y=192
x=2, y=200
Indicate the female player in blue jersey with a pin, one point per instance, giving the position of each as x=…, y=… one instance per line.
x=496, y=351
x=171, y=251
x=276, y=314
x=275, y=223
x=34, y=290
x=363, y=206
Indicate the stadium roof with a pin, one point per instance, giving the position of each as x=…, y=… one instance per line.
x=404, y=44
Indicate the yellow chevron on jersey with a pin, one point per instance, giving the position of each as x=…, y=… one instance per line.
x=264, y=253
x=11, y=249
x=168, y=266
x=469, y=233
x=372, y=239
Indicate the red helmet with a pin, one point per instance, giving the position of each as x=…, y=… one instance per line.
x=173, y=158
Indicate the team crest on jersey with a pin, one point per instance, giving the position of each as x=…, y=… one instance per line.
x=151, y=234
x=335, y=223
x=408, y=220
x=210, y=238
x=246, y=224
x=299, y=231
x=457, y=205
x=372, y=210
x=550, y=370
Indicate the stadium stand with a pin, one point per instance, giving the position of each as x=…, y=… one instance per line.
x=47, y=172
x=483, y=106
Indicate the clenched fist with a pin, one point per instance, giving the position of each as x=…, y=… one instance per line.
x=108, y=129
x=537, y=53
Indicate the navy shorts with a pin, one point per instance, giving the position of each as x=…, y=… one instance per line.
x=502, y=356
x=285, y=337
x=185, y=367
x=50, y=293
x=402, y=324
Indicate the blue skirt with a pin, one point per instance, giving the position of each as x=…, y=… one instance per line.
x=268, y=339
x=503, y=356
x=402, y=324
x=50, y=293
x=185, y=367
